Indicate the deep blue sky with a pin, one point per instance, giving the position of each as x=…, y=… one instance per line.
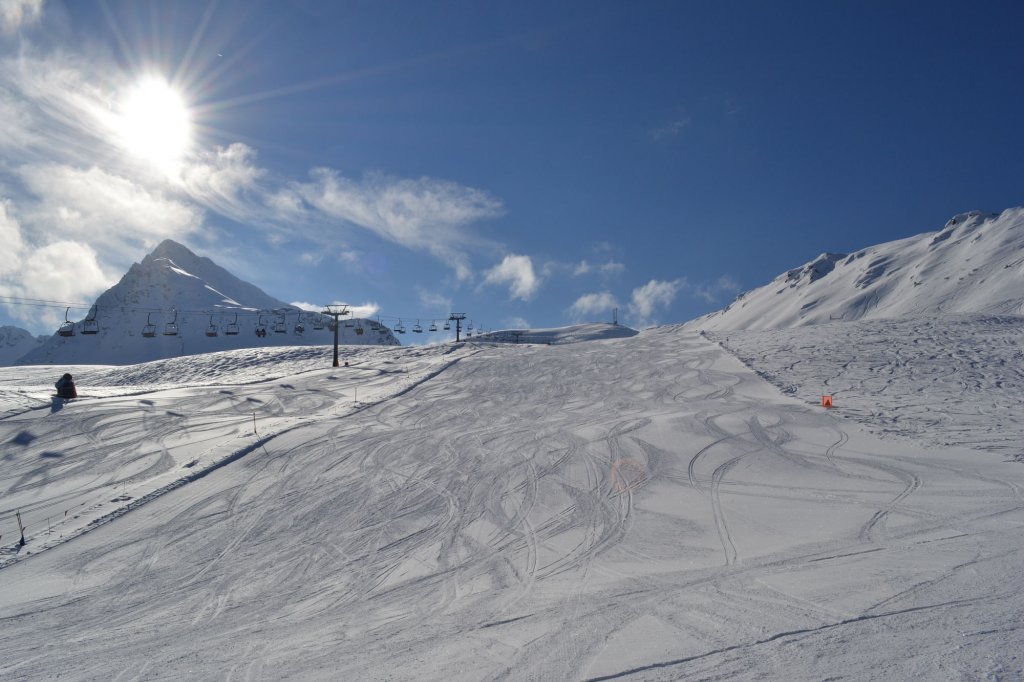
x=694, y=149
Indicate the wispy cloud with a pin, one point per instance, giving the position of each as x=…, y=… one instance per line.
x=17, y=13
x=655, y=294
x=431, y=300
x=424, y=214
x=101, y=208
x=222, y=178
x=608, y=268
x=671, y=129
x=516, y=272
x=592, y=304
x=713, y=292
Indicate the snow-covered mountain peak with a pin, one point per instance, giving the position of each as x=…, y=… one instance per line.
x=974, y=264
x=178, y=303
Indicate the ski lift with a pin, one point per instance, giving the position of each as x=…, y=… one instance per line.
x=469, y=326
x=383, y=330
x=359, y=329
x=350, y=322
x=89, y=324
x=149, y=331
x=171, y=328
x=261, y=327
x=279, y=325
x=399, y=328
x=299, y=327
x=232, y=328
x=447, y=325
x=417, y=328
x=318, y=323
x=433, y=326
x=68, y=328
x=211, y=330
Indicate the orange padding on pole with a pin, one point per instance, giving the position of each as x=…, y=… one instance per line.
x=826, y=401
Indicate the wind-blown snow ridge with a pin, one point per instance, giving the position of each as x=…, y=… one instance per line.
x=975, y=264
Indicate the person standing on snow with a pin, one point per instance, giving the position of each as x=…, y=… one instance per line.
x=66, y=387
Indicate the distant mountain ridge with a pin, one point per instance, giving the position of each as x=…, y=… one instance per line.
x=16, y=342
x=205, y=306
x=975, y=264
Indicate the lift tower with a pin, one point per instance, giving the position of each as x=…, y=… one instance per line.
x=457, y=318
x=337, y=310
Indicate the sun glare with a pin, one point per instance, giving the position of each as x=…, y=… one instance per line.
x=155, y=123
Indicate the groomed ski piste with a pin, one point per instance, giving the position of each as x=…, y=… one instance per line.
x=639, y=508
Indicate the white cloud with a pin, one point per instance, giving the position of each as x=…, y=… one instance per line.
x=435, y=301
x=423, y=214
x=307, y=306
x=16, y=13
x=367, y=309
x=221, y=179
x=517, y=272
x=592, y=304
x=103, y=209
x=655, y=294
x=10, y=237
x=712, y=293
x=515, y=323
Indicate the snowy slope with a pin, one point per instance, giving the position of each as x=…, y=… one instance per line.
x=939, y=380
x=641, y=508
x=975, y=264
x=173, y=286
x=16, y=342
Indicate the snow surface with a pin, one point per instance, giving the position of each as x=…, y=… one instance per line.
x=950, y=380
x=975, y=264
x=641, y=508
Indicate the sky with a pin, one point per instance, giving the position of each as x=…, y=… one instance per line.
x=527, y=163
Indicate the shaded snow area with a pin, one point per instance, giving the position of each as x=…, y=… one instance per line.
x=643, y=508
x=951, y=380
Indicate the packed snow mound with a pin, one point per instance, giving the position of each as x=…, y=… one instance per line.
x=175, y=303
x=577, y=333
x=15, y=342
x=975, y=264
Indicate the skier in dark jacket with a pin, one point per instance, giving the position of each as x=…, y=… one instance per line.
x=66, y=387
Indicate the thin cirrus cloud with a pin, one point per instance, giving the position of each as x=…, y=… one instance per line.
x=425, y=214
x=608, y=268
x=517, y=273
x=17, y=13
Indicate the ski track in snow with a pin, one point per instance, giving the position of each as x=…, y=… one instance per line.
x=633, y=509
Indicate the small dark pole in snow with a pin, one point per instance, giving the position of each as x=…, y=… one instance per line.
x=336, y=310
x=21, y=542
x=615, y=316
x=254, y=424
x=457, y=318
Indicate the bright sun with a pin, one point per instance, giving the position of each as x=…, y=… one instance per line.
x=154, y=123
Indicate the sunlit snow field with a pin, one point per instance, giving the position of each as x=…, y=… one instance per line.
x=638, y=508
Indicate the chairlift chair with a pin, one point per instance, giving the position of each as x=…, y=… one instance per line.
x=318, y=323
x=149, y=331
x=399, y=328
x=232, y=328
x=299, y=328
x=211, y=330
x=261, y=327
x=433, y=326
x=417, y=328
x=359, y=329
x=89, y=324
x=171, y=328
x=447, y=325
x=279, y=326
x=68, y=327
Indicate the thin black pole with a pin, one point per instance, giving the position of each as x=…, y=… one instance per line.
x=335, y=340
